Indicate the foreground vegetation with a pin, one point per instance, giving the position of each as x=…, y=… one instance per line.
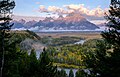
x=101, y=57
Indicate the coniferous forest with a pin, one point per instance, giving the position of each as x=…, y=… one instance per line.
x=98, y=57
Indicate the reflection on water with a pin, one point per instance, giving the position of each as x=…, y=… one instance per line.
x=68, y=70
x=38, y=53
x=74, y=71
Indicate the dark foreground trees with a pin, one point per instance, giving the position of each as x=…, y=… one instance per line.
x=13, y=61
x=6, y=7
x=20, y=64
x=45, y=66
x=81, y=73
x=71, y=74
x=106, y=63
x=112, y=36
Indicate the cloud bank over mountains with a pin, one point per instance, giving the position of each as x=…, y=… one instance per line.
x=96, y=13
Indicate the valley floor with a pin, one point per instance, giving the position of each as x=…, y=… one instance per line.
x=86, y=35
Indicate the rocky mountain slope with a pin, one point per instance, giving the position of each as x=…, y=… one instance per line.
x=70, y=22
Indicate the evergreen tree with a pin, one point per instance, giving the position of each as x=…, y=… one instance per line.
x=112, y=36
x=45, y=66
x=106, y=63
x=11, y=62
x=6, y=7
x=33, y=63
x=97, y=61
x=58, y=73
x=63, y=73
x=71, y=74
x=24, y=64
x=81, y=73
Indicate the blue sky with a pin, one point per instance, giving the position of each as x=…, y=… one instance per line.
x=33, y=7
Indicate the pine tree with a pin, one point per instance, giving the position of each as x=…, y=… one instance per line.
x=112, y=36
x=71, y=74
x=6, y=7
x=24, y=64
x=97, y=61
x=63, y=73
x=81, y=73
x=45, y=66
x=33, y=63
x=105, y=63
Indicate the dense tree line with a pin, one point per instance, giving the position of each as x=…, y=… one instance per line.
x=72, y=54
x=63, y=40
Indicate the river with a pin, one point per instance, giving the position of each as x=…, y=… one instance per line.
x=74, y=71
x=68, y=70
x=80, y=42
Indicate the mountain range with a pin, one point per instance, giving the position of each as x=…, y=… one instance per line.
x=70, y=22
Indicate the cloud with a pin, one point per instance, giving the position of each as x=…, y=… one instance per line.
x=19, y=28
x=74, y=8
x=34, y=28
x=96, y=12
x=42, y=9
x=80, y=8
x=55, y=9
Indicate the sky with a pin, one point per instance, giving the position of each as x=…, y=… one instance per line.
x=91, y=9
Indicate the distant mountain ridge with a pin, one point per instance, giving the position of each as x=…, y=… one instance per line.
x=70, y=22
